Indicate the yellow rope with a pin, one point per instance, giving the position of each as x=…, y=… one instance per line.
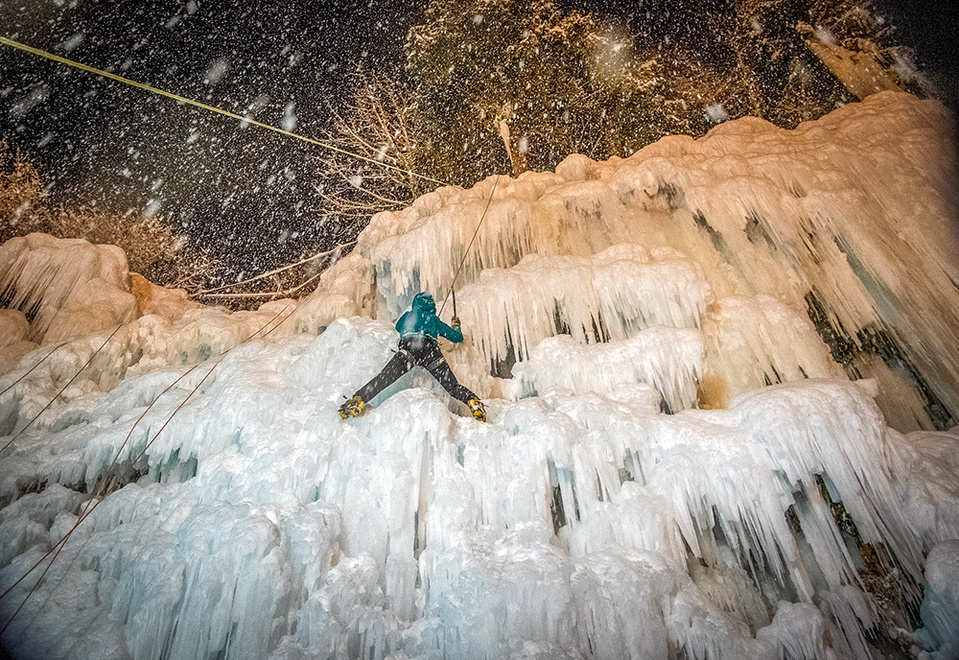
x=183, y=99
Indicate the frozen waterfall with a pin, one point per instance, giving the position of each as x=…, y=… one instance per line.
x=722, y=378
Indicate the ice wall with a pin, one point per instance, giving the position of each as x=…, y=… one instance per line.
x=258, y=524
x=846, y=222
x=676, y=464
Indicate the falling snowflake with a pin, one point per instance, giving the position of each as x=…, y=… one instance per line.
x=74, y=41
x=716, y=113
x=216, y=71
x=289, y=118
x=825, y=36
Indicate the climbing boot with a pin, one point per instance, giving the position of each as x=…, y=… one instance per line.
x=477, y=408
x=353, y=407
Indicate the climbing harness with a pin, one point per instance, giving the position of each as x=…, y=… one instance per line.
x=211, y=108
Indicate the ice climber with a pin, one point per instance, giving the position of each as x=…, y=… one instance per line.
x=418, y=347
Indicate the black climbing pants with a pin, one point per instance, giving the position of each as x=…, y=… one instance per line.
x=416, y=351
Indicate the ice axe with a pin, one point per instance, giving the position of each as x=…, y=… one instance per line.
x=455, y=317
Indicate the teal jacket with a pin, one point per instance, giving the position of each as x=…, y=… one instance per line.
x=422, y=319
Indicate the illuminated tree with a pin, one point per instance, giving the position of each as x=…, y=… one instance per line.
x=747, y=58
x=789, y=61
x=859, y=46
x=153, y=249
x=376, y=123
x=21, y=194
x=507, y=85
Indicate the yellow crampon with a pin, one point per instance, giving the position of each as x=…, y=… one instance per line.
x=353, y=407
x=477, y=408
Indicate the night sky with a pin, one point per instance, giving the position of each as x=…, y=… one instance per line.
x=245, y=191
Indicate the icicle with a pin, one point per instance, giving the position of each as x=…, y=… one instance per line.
x=667, y=359
x=796, y=631
x=613, y=295
x=42, y=275
x=940, y=606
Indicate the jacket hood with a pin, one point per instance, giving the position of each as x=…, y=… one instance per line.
x=423, y=302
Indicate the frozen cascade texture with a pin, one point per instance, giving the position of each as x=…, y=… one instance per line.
x=940, y=607
x=667, y=359
x=759, y=339
x=848, y=220
x=678, y=465
x=612, y=295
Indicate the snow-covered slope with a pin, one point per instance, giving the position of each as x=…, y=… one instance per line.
x=678, y=463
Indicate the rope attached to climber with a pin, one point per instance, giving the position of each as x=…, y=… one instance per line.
x=467, y=251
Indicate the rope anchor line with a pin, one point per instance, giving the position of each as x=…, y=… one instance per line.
x=467, y=251
x=183, y=99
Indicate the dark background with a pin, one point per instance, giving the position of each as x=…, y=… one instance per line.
x=247, y=193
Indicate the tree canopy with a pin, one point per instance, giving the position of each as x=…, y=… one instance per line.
x=508, y=85
x=502, y=86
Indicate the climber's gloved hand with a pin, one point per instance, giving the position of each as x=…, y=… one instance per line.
x=456, y=322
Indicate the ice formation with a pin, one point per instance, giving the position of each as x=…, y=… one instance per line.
x=720, y=376
x=940, y=608
x=68, y=295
